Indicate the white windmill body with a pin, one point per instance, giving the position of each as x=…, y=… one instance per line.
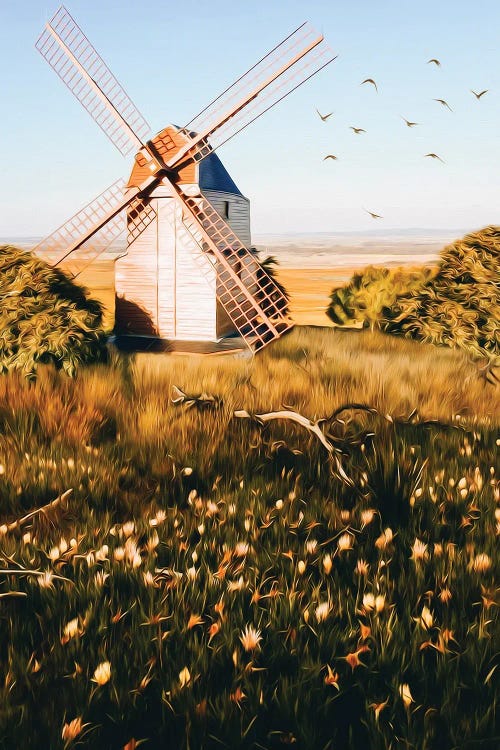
x=164, y=285
x=189, y=272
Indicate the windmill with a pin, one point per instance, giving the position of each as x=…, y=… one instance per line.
x=188, y=272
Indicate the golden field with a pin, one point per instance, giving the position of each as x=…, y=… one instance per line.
x=309, y=288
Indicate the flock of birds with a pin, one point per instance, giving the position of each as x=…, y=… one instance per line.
x=409, y=123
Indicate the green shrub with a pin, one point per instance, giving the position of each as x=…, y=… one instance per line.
x=460, y=305
x=45, y=317
x=370, y=292
x=456, y=305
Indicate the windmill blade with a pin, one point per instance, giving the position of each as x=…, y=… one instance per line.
x=252, y=300
x=290, y=64
x=96, y=226
x=68, y=51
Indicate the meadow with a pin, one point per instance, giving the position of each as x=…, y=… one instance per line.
x=209, y=579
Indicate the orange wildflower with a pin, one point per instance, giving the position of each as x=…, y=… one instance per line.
x=366, y=631
x=378, y=708
x=72, y=729
x=194, y=620
x=238, y=696
x=331, y=678
x=353, y=658
x=213, y=630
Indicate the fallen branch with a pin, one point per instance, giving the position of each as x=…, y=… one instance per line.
x=291, y=416
x=412, y=419
x=53, y=504
x=201, y=401
x=313, y=427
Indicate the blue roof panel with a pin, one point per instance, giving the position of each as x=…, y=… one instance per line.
x=214, y=176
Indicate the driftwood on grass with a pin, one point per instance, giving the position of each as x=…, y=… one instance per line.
x=44, y=510
x=201, y=401
x=412, y=419
x=313, y=427
x=291, y=416
x=332, y=444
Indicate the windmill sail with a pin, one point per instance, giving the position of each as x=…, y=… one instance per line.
x=290, y=64
x=252, y=300
x=68, y=51
x=96, y=226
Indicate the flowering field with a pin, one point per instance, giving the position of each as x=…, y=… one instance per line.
x=175, y=575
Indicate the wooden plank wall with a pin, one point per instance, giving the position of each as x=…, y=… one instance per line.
x=239, y=221
x=195, y=292
x=136, y=282
x=166, y=268
x=160, y=286
x=239, y=212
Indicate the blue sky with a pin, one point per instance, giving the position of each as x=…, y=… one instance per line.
x=172, y=58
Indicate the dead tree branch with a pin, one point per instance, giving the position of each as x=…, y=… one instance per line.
x=44, y=509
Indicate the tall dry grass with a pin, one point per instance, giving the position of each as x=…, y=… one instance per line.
x=131, y=613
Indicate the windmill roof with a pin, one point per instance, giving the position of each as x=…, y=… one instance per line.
x=213, y=175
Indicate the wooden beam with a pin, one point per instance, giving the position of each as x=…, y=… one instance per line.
x=243, y=103
x=114, y=112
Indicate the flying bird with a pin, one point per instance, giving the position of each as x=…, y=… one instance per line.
x=330, y=156
x=374, y=216
x=434, y=156
x=409, y=122
x=444, y=103
x=370, y=80
x=481, y=93
x=324, y=117
x=435, y=61
x=357, y=130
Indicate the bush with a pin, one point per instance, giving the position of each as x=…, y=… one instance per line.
x=456, y=305
x=460, y=305
x=45, y=317
x=370, y=292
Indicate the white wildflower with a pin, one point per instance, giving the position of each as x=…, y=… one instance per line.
x=426, y=618
x=367, y=516
x=102, y=673
x=327, y=564
x=184, y=677
x=128, y=528
x=250, y=638
x=345, y=542
x=418, y=550
x=369, y=601
x=481, y=563
x=311, y=546
x=322, y=611
x=404, y=691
